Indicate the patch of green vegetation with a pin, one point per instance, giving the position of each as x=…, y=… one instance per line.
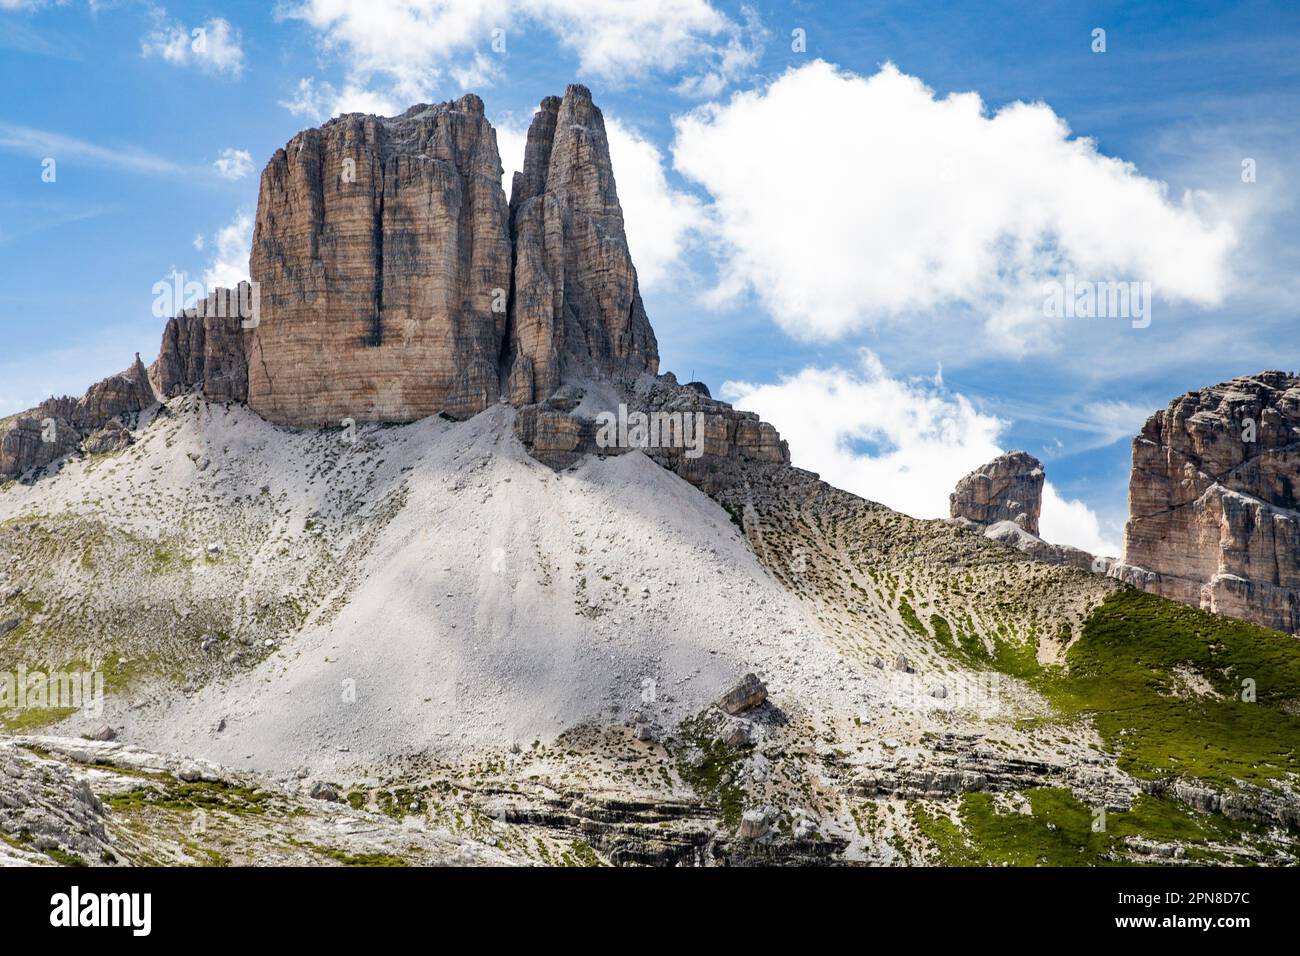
x=1130, y=671
x=356, y=859
x=1060, y=830
x=161, y=561
x=33, y=718
x=910, y=619
x=709, y=766
x=187, y=797
x=63, y=858
x=580, y=854
x=1135, y=671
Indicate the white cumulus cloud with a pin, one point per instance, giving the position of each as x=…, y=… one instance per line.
x=409, y=48
x=659, y=219
x=1067, y=521
x=319, y=101
x=843, y=200
x=233, y=163
x=214, y=46
x=902, y=442
x=512, y=139
x=231, y=245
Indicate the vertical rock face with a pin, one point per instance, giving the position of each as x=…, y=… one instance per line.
x=395, y=282
x=29, y=442
x=1009, y=488
x=203, y=349
x=576, y=306
x=382, y=250
x=1213, y=501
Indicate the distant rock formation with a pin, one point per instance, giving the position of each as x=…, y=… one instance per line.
x=576, y=307
x=1003, y=499
x=1009, y=488
x=1213, y=501
x=57, y=426
x=203, y=349
x=382, y=249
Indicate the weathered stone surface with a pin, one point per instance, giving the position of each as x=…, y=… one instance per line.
x=558, y=435
x=33, y=443
x=576, y=307
x=121, y=394
x=56, y=426
x=754, y=825
x=731, y=437
x=1010, y=533
x=203, y=349
x=1214, y=501
x=382, y=250
x=1009, y=488
x=553, y=437
x=112, y=437
x=1002, y=501
x=746, y=695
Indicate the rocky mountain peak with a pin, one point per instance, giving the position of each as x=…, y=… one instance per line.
x=382, y=250
x=396, y=282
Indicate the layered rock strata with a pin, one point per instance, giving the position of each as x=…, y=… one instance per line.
x=576, y=307
x=1214, y=501
x=203, y=348
x=382, y=253
x=705, y=441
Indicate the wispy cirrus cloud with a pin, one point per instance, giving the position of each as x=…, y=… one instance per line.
x=41, y=143
x=51, y=216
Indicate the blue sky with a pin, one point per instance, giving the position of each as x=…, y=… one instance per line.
x=841, y=237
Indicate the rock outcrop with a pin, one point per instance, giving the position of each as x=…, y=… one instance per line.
x=1003, y=500
x=1009, y=488
x=382, y=250
x=29, y=442
x=576, y=308
x=1214, y=501
x=57, y=426
x=705, y=441
x=203, y=348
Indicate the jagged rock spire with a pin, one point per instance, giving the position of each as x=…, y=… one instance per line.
x=576, y=305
